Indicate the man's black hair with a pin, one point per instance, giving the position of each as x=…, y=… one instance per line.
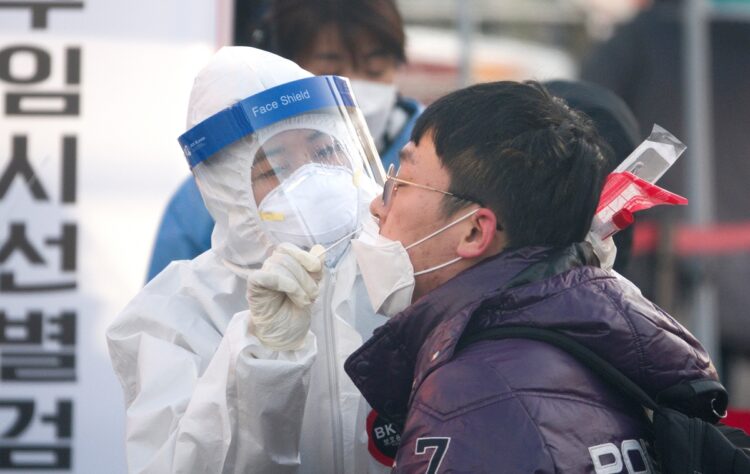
x=616, y=124
x=536, y=163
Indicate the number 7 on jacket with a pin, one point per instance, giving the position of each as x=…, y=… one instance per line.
x=440, y=446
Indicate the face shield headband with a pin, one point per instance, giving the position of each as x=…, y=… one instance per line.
x=269, y=107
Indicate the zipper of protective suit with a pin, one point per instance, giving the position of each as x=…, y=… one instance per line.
x=333, y=379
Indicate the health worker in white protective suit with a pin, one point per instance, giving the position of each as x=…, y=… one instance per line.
x=212, y=382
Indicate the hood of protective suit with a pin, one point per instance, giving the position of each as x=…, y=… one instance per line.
x=233, y=74
x=224, y=180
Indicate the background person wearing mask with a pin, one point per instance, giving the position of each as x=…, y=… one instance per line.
x=488, y=212
x=210, y=385
x=359, y=39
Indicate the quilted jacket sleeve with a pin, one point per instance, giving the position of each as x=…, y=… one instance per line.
x=494, y=435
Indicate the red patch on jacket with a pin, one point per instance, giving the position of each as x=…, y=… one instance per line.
x=382, y=439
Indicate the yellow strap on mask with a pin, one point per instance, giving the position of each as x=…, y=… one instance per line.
x=272, y=216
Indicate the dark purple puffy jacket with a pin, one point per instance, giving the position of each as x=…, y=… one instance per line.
x=520, y=406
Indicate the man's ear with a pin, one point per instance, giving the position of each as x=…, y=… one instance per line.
x=481, y=239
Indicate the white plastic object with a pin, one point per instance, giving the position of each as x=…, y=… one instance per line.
x=624, y=195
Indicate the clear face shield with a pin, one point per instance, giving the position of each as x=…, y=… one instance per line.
x=304, y=151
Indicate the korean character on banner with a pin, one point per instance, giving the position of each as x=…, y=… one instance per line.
x=24, y=331
x=18, y=243
x=57, y=102
x=16, y=454
x=35, y=456
x=38, y=366
x=33, y=329
x=22, y=413
x=40, y=9
x=19, y=169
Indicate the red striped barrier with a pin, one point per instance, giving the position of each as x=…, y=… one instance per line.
x=718, y=239
x=738, y=419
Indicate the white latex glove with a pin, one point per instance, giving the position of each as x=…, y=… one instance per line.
x=281, y=295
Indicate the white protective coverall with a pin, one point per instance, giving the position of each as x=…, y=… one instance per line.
x=203, y=394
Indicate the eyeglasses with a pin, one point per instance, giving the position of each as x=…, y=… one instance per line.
x=391, y=182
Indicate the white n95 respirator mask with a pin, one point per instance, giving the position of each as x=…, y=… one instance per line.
x=317, y=204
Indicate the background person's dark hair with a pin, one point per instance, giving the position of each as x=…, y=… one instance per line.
x=538, y=164
x=289, y=27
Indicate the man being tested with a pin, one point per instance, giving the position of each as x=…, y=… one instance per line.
x=483, y=226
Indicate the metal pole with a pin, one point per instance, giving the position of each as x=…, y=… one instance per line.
x=699, y=117
x=225, y=10
x=465, y=18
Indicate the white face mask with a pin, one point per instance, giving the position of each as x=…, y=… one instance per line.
x=386, y=268
x=376, y=101
x=317, y=204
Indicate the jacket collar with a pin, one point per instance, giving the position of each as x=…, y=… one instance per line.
x=384, y=367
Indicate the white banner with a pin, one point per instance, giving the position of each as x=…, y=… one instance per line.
x=92, y=98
